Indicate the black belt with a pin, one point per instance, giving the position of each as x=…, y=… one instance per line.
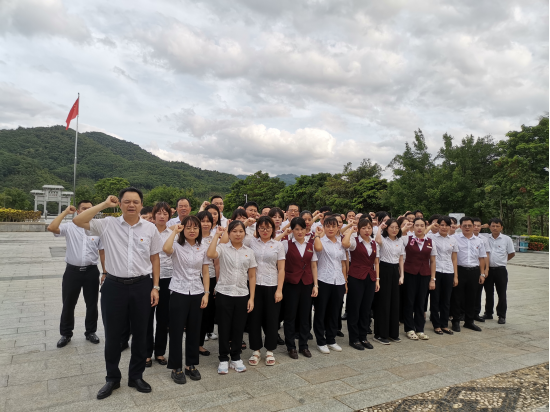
x=81, y=268
x=127, y=281
x=469, y=268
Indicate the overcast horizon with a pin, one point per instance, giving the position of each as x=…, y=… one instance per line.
x=282, y=87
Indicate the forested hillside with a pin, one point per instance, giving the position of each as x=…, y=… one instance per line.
x=32, y=157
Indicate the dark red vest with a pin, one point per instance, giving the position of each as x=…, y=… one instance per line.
x=362, y=265
x=418, y=261
x=297, y=267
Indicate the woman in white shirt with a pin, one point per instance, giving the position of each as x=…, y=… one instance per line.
x=215, y=212
x=278, y=216
x=190, y=289
x=386, y=313
x=209, y=313
x=332, y=279
x=157, y=341
x=270, y=276
x=446, y=276
x=234, y=298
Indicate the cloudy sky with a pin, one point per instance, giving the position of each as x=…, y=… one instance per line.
x=284, y=86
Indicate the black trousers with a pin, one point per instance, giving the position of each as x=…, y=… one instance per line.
x=358, y=304
x=440, y=300
x=264, y=316
x=297, y=313
x=386, y=315
x=479, y=292
x=208, y=313
x=328, y=306
x=231, y=313
x=463, y=297
x=185, y=315
x=73, y=281
x=157, y=337
x=498, y=277
x=118, y=303
x=413, y=312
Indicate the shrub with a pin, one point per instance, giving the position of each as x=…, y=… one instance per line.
x=537, y=246
x=117, y=214
x=14, y=215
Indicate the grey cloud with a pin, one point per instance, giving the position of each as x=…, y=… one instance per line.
x=106, y=41
x=123, y=73
x=18, y=107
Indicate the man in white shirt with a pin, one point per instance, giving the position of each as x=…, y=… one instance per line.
x=292, y=211
x=216, y=200
x=82, y=255
x=485, y=239
x=132, y=248
x=502, y=250
x=251, y=209
x=471, y=272
x=183, y=207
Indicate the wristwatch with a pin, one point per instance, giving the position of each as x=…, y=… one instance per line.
x=483, y=274
x=156, y=287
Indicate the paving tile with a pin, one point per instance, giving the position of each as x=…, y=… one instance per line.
x=42, y=402
x=24, y=390
x=114, y=403
x=326, y=405
x=331, y=373
x=369, y=397
x=273, y=402
x=315, y=393
x=416, y=370
x=276, y=384
x=372, y=380
x=214, y=398
x=531, y=359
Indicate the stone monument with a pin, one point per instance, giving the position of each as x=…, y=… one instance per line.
x=51, y=193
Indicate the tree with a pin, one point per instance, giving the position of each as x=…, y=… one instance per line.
x=16, y=199
x=303, y=192
x=86, y=193
x=258, y=187
x=170, y=195
x=109, y=186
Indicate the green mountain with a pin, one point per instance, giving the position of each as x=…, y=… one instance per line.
x=32, y=157
x=288, y=178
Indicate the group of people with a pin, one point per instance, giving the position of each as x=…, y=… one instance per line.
x=163, y=277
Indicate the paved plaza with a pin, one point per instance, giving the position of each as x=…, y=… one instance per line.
x=35, y=375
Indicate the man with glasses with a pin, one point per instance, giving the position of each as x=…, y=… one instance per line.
x=292, y=211
x=471, y=273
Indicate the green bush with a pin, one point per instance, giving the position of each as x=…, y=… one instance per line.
x=14, y=215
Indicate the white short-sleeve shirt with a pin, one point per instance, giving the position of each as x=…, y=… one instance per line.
x=166, y=267
x=391, y=250
x=501, y=247
x=329, y=265
x=128, y=249
x=211, y=268
x=469, y=250
x=301, y=247
x=234, y=265
x=446, y=246
x=187, y=261
x=82, y=247
x=267, y=255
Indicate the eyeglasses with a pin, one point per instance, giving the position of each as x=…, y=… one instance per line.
x=265, y=229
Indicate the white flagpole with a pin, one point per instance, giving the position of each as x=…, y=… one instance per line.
x=75, y=148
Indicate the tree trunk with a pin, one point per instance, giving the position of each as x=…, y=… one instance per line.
x=529, y=225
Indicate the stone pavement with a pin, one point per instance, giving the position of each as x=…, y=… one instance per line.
x=35, y=375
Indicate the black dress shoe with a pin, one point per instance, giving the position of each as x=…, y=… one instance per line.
x=456, y=326
x=367, y=344
x=478, y=318
x=472, y=326
x=92, y=337
x=178, y=376
x=447, y=331
x=280, y=340
x=486, y=316
x=63, y=341
x=345, y=316
x=357, y=345
x=107, y=389
x=149, y=363
x=162, y=361
x=243, y=345
x=293, y=353
x=204, y=352
x=501, y=320
x=305, y=352
x=140, y=385
x=193, y=373
x=340, y=333
x=124, y=346
x=438, y=332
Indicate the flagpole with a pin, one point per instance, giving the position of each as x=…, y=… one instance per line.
x=75, y=151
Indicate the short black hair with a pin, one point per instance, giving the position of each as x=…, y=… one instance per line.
x=362, y=223
x=445, y=219
x=194, y=221
x=237, y=213
x=216, y=197
x=330, y=221
x=266, y=207
x=305, y=212
x=145, y=210
x=453, y=219
x=410, y=213
x=130, y=190
x=496, y=220
x=418, y=211
x=381, y=216
x=276, y=211
x=389, y=222
x=233, y=224
x=161, y=206
x=433, y=217
x=251, y=203
x=217, y=209
x=325, y=209
x=476, y=219
x=465, y=219
x=419, y=218
x=84, y=201
x=183, y=198
x=265, y=220
x=203, y=214
x=298, y=221
x=293, y=204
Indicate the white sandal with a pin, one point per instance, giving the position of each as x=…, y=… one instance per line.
x=412, y=335
x=269, y=358
x=422, y=336
x=255, y=358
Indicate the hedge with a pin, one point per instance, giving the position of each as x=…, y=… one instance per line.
x=538, y=243
x=112, y=214
x=13, y=215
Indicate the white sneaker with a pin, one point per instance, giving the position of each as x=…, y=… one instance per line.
x=223, y=368
x=335, y=347
x=206, y=337
x=323, y=349
x=212, y=336
x=238, y=366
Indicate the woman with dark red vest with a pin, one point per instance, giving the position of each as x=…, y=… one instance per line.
x=299, y=288
x=363, y=282
x=419, y=276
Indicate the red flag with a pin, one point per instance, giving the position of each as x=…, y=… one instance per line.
x=73, y=113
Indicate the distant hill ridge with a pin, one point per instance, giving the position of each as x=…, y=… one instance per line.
x=32, y=157
x=288, y=178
